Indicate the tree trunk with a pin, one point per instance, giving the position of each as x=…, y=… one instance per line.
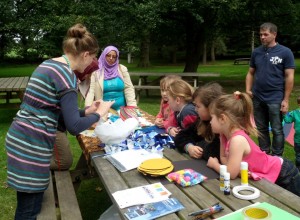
x=145, y=49
x=212, y=52
x=204, y=57
x=194, y=39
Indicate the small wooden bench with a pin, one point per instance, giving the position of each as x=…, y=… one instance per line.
x=12, y=88
x=60, y=200
x=241, y=61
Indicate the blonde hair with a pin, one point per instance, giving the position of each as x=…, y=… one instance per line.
x=238, y=108
x=167, y=80
x=181, y=88
x=206, y=94
x=78, y=40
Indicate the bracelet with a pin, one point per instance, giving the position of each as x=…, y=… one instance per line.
x=186, y=147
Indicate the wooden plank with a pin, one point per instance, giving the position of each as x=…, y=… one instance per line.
x=146, y=87
x=48, y=211
x=68, y=204
x=140, y=74
x=5, y=83
x=289, y=199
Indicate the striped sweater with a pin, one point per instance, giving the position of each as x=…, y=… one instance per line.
x=31, y=136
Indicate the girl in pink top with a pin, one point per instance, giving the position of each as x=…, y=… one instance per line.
x=231, y=118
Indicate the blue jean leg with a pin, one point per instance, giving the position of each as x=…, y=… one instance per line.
x=289, y=177
x=261, y=117
x=263, y=114
x=29, y=205
x=297, y=154
x=275, y=117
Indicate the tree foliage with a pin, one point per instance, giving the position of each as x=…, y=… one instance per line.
x=35, y=28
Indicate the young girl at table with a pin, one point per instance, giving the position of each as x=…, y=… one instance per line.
x=231, y=119
x=165, y=116
x=198, y=140
x=180, y=97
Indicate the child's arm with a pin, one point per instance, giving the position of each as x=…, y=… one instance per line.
x=288, y=117
x=239, y=147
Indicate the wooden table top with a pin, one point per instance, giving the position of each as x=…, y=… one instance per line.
x=195, y=197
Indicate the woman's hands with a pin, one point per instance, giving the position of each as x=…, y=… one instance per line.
x=101, y=107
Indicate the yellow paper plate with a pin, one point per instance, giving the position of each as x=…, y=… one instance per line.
x=155, y=164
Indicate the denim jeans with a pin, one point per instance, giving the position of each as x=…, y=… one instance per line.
x=289, y=177
x=29, y=205
x=297, y=153
x=263, y=114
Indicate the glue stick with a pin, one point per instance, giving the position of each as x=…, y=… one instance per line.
x=244, y=173
x=227, y=183
x=223, y=170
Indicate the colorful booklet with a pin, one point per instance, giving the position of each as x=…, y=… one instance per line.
x=141, y=195
x=153, y=210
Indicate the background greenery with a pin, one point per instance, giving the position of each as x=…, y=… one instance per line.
x=92, y=201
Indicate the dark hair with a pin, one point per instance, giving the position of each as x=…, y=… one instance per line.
x=206, y=94
x=78, y=40
x=269, y=26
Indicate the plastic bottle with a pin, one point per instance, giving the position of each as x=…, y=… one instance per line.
x=223, y=170
x=227, y=183
x=244, y=173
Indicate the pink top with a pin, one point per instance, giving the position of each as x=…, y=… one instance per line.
x=166, y=114
x=260, y=164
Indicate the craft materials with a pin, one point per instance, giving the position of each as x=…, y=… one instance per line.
x=206, y=212
x=227, y=183
x=244, y=173
x=236, y=192
x=223, y=170
x=255, y=213
x=156, y=167
x=186, y=177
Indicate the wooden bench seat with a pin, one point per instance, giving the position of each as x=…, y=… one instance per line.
x=241, y=61
x=60, y=200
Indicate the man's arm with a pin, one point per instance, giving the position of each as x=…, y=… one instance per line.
x=249, y=81
x=289, y=84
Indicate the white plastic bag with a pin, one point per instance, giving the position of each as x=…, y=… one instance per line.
x=115, y=132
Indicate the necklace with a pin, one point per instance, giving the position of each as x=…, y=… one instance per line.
x=67, y=60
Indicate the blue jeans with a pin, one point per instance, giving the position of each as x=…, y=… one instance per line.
x=263, y=114
x=29, y=205
x=297, y=153
x=289, y=177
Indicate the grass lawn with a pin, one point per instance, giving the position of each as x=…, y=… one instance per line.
x=92, y=201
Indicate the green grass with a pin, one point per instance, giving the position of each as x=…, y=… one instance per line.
x=93, y=202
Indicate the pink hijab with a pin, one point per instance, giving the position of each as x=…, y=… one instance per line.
x=110, y=71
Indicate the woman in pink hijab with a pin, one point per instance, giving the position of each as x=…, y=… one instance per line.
x=111, y=82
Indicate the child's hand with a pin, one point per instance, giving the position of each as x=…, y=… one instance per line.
x=213, y=163
x=174, y=131
x=159, y=122
x=195, y=151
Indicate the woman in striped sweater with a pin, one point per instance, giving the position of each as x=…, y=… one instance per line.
x=52, y=90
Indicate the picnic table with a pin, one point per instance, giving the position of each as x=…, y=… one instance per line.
x=241, y=61
x=12, y=88
x=193, y=198
x=145, y=85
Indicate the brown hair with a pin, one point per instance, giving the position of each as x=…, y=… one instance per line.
x=206, y=94
x=238, y=108
x=167, y=80
x=181, y=88
x=78, y=40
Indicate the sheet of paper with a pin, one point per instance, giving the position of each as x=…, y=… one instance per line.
x=141, y=195
x=124, y=161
